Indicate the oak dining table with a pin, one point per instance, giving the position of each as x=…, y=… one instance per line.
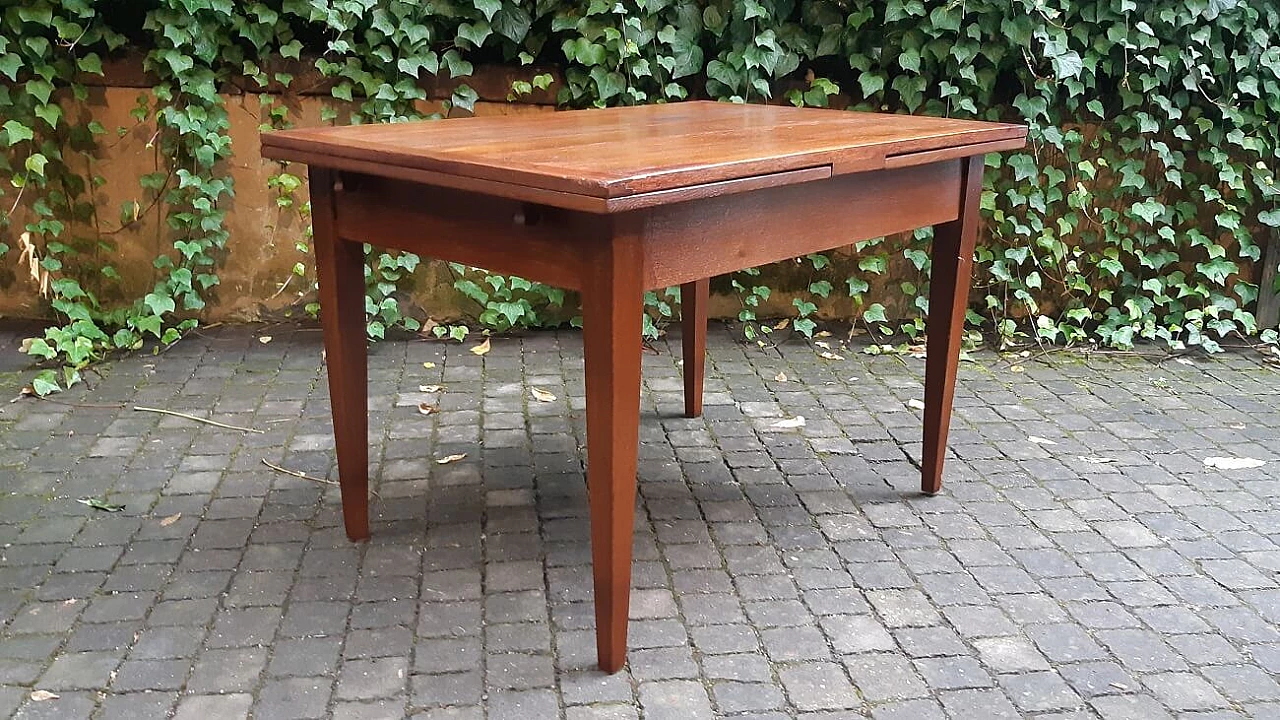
x=613, y=203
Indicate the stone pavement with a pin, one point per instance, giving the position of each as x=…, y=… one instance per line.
x=1100, y=570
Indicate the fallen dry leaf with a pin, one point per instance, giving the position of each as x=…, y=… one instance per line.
x=789, y=423
x=450, y=459
x=1095, y=460
x=171, y=520
x=1040, y=441
x=780, y=377
x=1184, y=361
x=428, y=365
x=542, y=395
x=430, y=388
x=42, y=695
x=481, y=349
x=264, y=339
x=822, y=334
x=822, y=344
x=1233, y=463
x=427, y=409
x=830, y=356
x=782, y=324
x=914, y=403
x=1016, y=368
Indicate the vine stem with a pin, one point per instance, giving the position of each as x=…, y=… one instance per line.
x=206, y=421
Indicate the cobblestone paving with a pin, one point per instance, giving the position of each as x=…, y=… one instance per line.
x=779, y=573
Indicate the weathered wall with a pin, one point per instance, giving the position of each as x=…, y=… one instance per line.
x=261, y=249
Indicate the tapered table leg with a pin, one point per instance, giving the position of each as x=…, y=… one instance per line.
x=612, y=303
x=340, y=272
x=953, y=245
x=693, y=335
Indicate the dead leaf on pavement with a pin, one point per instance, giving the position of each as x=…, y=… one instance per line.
x=1016, y=368
x=822, y=334
x=830, y=356
x=428, y=365
x=1040, y=441
x=914, y=403
x=1233, y=463
x=427, y=409
x=42, y=695
x=171, y=520
x=782, y=324
x=264, y=339
x=789, y=423
x=450, y=459
x=780, y=377
x=481, y=349
x=542, y=395
x=821, y=344
x=430, y=388
x=1095, y=460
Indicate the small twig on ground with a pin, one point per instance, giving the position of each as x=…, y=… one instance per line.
x=304, y=476
x=297, y=473
x=206, y=421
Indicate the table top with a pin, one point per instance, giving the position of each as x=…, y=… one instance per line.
x=621, y=152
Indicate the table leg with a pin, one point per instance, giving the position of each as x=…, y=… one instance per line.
x=953, y=245
x=340, y=272
x=612, y=304
x=693, y=335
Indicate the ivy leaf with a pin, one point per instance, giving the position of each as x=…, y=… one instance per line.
x=608, y=84
x=10, y=64
x=512, y=22
x=464, y=96
x=1270, y=217
x=100, y=504
x=159, y=304
x=1148, y=210
x=15, y=132
x=475, y=33
x=90, y=63
x=488, y=7
x=45, y=382
x=871, y=83
x=1067, y=65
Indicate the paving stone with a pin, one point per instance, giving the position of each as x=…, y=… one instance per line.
x=1184, y=691
x=674, y=699
x=234, y=669
x=770, y=567
x=1040, y=691
x=818, y=686
x=80, y=671
x=200, y=707
x=293, y=699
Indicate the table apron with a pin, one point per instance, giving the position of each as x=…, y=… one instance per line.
x=536, y=242
x=682, y=242
x=705, y=238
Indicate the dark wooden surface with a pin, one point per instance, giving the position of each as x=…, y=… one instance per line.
x=616, y=202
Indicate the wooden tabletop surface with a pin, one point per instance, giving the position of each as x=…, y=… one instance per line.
x=618, y=152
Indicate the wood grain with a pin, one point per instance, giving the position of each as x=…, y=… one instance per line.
x=952, y=256
x=618, y=152
x=340, y=276
x=687, y=242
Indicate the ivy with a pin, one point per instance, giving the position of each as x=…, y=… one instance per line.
x=1139, y=211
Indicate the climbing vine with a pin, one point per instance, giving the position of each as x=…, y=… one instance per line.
x=1140, y=210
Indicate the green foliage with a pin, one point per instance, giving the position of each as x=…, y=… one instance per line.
x=1138, y=211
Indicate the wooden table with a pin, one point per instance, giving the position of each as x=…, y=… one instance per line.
x=616, y=202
